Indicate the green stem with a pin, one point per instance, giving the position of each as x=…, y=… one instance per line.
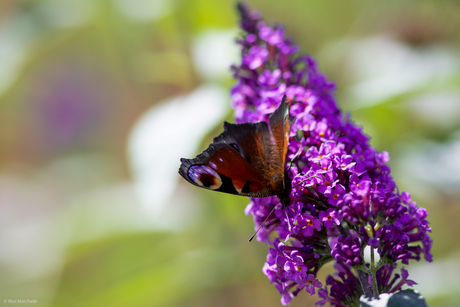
x=373, y=274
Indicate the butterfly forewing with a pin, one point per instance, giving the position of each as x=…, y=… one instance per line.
x=246, y=159
x=280, y=127
x=231, y=159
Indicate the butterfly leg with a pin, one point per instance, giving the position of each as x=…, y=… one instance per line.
x=295, y=156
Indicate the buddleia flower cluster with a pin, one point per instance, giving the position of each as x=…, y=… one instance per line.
x=343, y=198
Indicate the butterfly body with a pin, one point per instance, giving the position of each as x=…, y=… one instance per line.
x=246, y=159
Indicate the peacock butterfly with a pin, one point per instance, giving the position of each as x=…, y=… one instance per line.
x=246, y=159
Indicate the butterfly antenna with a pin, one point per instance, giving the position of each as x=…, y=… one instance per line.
x=250, y=239
x=304, y=181
x=295, y=156
x=287, y=219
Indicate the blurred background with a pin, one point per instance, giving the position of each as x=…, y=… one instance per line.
x=100, y=99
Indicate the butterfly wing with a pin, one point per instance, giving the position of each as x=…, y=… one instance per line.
x=243, y=160
x=233, y=163
x=280, y=127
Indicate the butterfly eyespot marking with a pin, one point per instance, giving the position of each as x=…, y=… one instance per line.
x=205, y=176
x=235, y=147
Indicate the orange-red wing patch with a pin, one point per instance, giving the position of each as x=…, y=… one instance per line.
x=229, y=163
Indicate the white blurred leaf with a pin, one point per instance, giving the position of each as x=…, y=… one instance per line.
x=166, y=133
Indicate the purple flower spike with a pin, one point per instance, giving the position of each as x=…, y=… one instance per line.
x=343, y=197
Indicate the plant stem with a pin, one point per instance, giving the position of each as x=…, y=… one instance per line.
x=362, y=276
x=373, y=276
